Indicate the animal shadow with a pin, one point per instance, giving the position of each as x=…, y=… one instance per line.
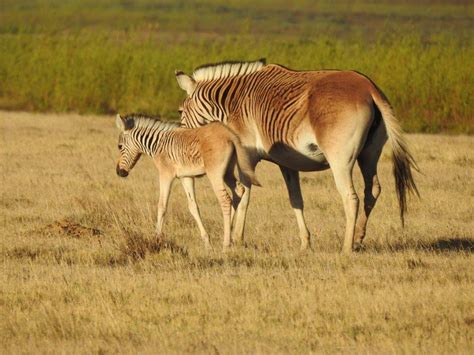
x=443, y=245
x=452, y=244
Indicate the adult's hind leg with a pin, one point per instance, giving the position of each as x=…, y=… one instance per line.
x=292, y=181
x=343, y=178
x=367, y=160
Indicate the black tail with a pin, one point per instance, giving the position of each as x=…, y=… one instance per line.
x=403, y=161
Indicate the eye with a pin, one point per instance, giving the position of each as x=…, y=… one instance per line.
x=120, y=146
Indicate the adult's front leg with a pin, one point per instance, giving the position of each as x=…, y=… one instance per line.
x=292, y=180
x=165, y=187
x=236, y=190
x=240, y=214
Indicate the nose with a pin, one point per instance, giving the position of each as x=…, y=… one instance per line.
x=121, y=172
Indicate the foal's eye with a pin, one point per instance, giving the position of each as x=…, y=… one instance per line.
x=120, y=146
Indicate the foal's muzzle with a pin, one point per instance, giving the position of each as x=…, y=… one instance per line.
x=121, y=172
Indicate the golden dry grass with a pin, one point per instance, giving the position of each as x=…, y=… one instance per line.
x=79, y=272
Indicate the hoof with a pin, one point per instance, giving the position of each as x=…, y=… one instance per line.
x=305, y=248
x=347, y=251
x=359, y=246
x=160, y=237
x=237, y=241
x=305, y=244
x=226, y=248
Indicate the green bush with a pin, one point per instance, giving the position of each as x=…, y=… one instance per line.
x=53, y=60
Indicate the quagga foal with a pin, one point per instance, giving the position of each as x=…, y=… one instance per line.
x=185, y=153
x=304, y=121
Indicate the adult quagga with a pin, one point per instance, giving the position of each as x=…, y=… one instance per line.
x=185, y=153
x=304, y=121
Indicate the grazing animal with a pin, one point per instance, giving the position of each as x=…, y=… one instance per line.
x=185, y=153
x=304, y=121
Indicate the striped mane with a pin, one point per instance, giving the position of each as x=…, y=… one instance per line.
x=143, y=121
x=226, y=70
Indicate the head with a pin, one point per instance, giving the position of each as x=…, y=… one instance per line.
x=194, y=111
x=128, y=146
x=206, y=100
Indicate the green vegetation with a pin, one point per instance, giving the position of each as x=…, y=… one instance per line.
x=108, y=56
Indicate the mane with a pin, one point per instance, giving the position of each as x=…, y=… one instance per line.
x=144, y=121
x=229, y=69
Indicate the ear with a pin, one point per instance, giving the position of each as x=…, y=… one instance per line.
x=119, y=122
x=185, y=82
x=124, y=123
x=129, y=123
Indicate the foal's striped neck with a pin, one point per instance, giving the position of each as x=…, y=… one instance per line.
x=148, y=132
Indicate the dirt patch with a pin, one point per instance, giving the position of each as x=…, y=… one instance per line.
x=137, y=246
x=71, y=229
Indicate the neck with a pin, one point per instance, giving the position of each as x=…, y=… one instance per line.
x=149, y=136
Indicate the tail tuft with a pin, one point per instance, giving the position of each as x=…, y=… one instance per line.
x=404, y=181
x=403, y=161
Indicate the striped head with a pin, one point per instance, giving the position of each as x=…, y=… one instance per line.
x=193, y=114
x=210, y=90
x=128, y=146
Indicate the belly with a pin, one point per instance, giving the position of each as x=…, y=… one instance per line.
x=299, y=150
x=310, y=158
x=190, y=170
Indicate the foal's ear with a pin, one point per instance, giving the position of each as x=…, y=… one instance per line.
x=185, y=82
x=124, y=123
x=119, y=122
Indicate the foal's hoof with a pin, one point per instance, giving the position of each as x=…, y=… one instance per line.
x=305, y=250
x=227, y=248
x=238, y=243
x=347, y=250
x=160, y=237
x=305, y=247
x=359, y=247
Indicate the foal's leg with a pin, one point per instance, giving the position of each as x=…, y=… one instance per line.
x=292, y=180
x=165, y=187
x=188, y=185
x=217, y=182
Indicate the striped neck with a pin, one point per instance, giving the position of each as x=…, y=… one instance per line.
x=149, y=132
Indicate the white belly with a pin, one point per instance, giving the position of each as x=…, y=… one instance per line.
x=303, y=154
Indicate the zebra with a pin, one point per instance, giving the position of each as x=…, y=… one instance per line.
x=304, y=121
x=186, y=153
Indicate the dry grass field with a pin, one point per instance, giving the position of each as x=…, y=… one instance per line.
x=79, y=271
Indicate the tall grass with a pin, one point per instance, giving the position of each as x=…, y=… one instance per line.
x=107, y=57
